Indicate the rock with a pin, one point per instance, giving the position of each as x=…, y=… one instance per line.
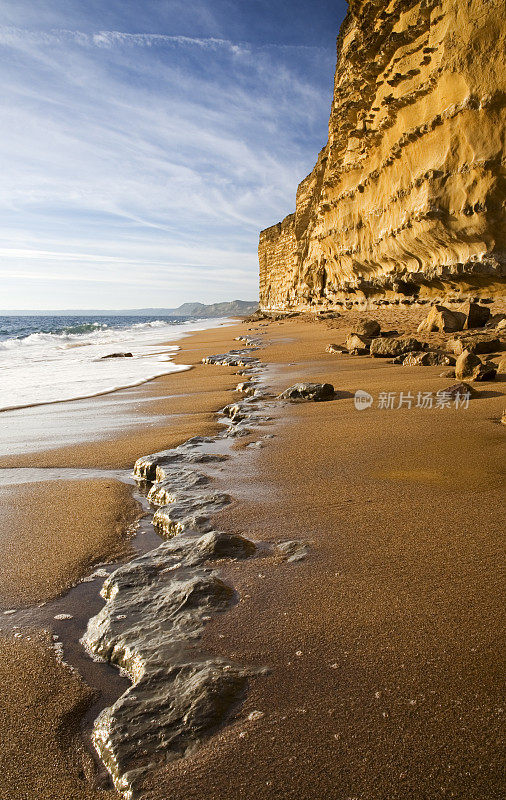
x=494, y=320
x=460, y=390
x=309, y=391
x=398, y=200
x=471, y=366
x=501, y=325
x=476, y=316
x=176, y=481
x=476, y=344
x=151, y=468
x=389, y=348
x=488, y=372
x=367, y=327
x=429, y=359
x=335, y=349
x=468, y=365
x=294, y=550
x=503, y=417
x=443, y=320
x=357, y=344
x=234, y=358
x=235, y=412
x=117, y=355
x=449, y=374
x=501, y=367
x=189, y=511
x=245, y=388
x=156, y=608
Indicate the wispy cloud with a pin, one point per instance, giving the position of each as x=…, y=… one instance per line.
x=149, y=158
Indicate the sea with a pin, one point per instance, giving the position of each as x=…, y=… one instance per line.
x=46, y=362
x=52, y=359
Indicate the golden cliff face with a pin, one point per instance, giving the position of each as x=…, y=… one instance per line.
x=408, y=197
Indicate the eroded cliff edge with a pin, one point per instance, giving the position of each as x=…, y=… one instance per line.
x=407, y=199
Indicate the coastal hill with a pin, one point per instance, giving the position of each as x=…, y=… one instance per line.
x=406, y=199
x=232, y=308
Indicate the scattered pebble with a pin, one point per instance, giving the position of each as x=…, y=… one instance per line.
x=10, y=611
x=298, y=653
x=255, y=715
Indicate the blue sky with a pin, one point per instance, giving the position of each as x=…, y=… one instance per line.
x=145, y=143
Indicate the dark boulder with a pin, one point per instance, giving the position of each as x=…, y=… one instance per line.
x=476, y=316
x=309, y=391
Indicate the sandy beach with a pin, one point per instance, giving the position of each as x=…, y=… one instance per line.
x=382, y=645
x=54, y=531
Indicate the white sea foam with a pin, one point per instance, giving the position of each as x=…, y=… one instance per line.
x=54, y=367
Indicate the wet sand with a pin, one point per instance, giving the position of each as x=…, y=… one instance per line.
x=41, y=703
x=53, y=532
x=382, y=644
x=385, y=644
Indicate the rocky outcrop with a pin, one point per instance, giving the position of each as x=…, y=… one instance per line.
x=407, y=198
x=157, y=607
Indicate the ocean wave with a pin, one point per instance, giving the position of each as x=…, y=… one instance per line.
x=86, y=333
x=44, y=367
x=86, y=327
x=156, y=323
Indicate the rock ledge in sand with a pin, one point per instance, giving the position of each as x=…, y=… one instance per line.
x=155, y=607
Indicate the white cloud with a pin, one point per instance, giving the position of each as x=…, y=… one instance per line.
x=150, y=154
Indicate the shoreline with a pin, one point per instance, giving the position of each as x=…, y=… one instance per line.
x=122, y=375
x=82, y=599
x=304, y=339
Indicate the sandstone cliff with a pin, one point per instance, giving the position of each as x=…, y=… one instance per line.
x=407, y=199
